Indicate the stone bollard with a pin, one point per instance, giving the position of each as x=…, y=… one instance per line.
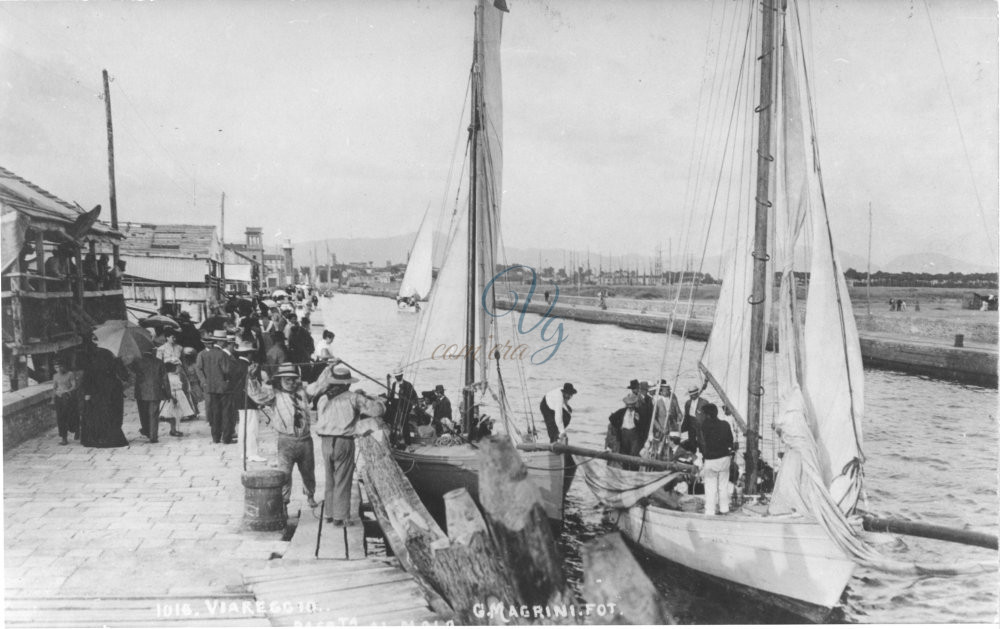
x=263, y=505
x=959, y=340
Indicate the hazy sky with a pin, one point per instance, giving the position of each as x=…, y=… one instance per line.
x=329, y=119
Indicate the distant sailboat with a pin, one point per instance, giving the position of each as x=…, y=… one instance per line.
x=417, y=279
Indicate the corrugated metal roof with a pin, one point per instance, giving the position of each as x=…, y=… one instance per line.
x=166, y=269
x=182, y=241
x=40, y=204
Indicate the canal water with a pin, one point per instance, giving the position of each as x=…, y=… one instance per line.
x=931, y=448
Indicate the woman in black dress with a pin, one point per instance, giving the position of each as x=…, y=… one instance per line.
x=103, y=404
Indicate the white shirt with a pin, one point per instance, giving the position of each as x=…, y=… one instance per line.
x=555, y=401
x=628, y=421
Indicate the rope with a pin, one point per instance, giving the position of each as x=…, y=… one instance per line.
x=987, y=229
x=562, y=467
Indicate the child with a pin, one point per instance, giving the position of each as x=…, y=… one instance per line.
x=177, y=407
x=64, y=399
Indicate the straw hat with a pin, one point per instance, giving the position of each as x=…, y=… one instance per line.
x=341, y=375
x=287, y=370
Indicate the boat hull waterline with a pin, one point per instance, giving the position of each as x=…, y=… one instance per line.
x=791, y=557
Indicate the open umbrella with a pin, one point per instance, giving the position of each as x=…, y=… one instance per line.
x=124, y=339
x=278, y=293
x=270, y=303
x=158, y=321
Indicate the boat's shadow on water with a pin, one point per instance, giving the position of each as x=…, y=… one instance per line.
x=692, y=597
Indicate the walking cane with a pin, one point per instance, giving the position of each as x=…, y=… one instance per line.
x=319, y=531
x=246, y=420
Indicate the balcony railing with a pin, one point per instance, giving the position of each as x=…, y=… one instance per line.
x=46, y=314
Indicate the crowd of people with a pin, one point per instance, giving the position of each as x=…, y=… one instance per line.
x=248, y=362
x=651, y=424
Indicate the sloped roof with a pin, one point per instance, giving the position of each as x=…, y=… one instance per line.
x=45, y=208
x=171, y=241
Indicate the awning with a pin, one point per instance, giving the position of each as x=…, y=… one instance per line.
x=238, y=272
x=167, y=270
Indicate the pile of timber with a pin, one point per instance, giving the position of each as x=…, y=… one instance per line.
x=499, y=563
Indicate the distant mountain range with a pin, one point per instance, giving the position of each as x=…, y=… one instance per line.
x=395, y=249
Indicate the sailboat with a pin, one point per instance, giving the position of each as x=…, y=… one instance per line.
x=417, y=279
x=457, y=339
x=794, y=545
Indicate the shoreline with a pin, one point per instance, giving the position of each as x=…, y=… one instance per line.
x=926, y=350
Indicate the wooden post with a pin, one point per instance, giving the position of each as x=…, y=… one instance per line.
x=79, y=277
x=513, y=509
x=40, y=260
x=458, y=573
x=222, y=254
x=111, y=166
x=612, y=576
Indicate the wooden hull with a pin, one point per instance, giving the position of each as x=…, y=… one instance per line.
x=790, y=559
x=435, y=470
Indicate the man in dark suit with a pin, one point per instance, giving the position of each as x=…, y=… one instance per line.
x=627, y=431
x=299, y=340
x=692, y=420
x=151, y=388
x=402, y=398
x=213, y=367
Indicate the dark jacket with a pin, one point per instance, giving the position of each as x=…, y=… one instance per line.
x=691, y=425
x=300, y=345
x=188, y=336
x=151, y=383
x=213, y=366
x=615, y=421
x=715, y=438
x=238, y=385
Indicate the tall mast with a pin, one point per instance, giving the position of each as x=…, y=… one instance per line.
x=111, y=166
x=470, y=310
x=758, y=314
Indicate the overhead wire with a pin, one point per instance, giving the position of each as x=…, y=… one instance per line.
x=987, y=229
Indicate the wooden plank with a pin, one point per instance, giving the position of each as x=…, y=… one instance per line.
x=319, y=585
x=284, y=571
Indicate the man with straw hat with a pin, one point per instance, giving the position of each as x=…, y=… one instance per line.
x=286, y=409
x=339, y=410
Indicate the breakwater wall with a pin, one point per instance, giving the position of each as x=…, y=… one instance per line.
x=935, y=357
x=906, y=342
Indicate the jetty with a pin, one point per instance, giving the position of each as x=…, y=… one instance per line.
x=970, y=362
x=153, y=535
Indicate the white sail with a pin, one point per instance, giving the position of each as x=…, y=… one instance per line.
x=419, y=268
x=823, y=358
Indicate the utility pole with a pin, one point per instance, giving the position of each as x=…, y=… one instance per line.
x=868, y=273
x=222, y=240
x=111, y=166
